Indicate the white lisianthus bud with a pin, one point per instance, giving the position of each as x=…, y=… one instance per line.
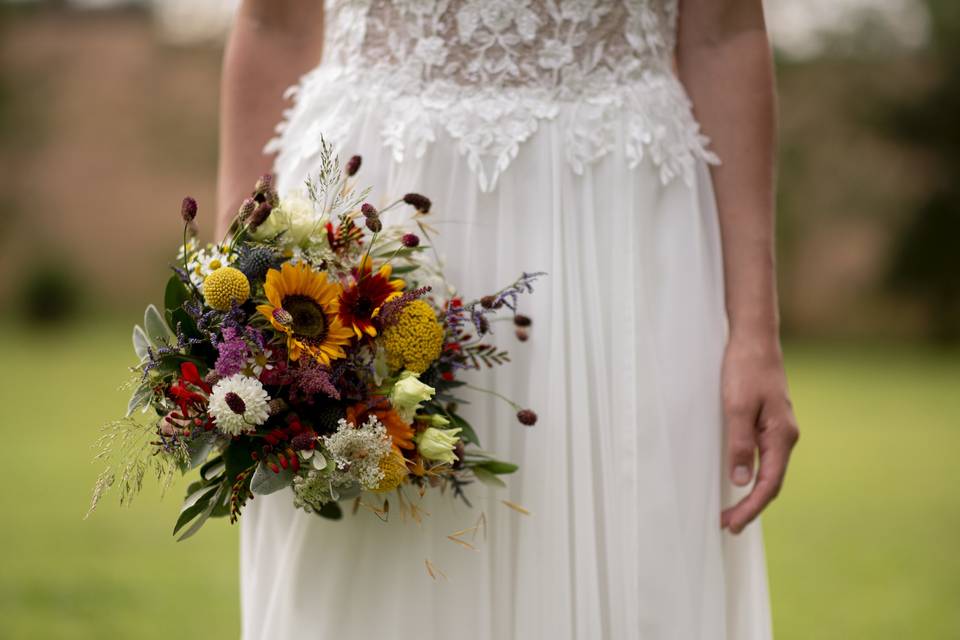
x=438, y=444
x=407, y=394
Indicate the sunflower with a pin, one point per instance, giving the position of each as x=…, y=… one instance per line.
x=303, y=304
x=360, y=303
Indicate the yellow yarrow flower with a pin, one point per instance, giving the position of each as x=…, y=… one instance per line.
x=414, y=341
x=224, y=287
x=394, y=469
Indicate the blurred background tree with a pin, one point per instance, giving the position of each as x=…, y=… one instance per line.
x=926, y=254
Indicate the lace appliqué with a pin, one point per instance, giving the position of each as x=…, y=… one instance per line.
x=488, y=72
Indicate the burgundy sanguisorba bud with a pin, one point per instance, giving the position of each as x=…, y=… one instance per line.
x=368, y=210
x=527, y=417
x=522, y=334
x=353, y=165
x=487, y=302
x=374, y=224
x=521, y=320
x=188, y=209
x=419, y=202
x=260, y=215
x=235, y=402
x=247, y=208
x=410, y=240
x=264, y=183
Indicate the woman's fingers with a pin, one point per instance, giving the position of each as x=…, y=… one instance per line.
x=741, y=436
x=776, y=437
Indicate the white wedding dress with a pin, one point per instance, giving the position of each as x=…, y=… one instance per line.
x=551, y=135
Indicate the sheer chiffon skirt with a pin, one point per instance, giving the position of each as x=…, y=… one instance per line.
x=623, y=474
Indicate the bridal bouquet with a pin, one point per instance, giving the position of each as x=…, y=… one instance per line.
x=315, y=348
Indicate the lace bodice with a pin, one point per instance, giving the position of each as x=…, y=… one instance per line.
x=488, y=72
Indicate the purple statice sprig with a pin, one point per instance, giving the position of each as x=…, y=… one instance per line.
x=156, y=355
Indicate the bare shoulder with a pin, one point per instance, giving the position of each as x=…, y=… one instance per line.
x=293, y=15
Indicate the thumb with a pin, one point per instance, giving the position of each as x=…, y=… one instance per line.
x=741, y=442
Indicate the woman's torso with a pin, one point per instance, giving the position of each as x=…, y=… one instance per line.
x=490, y=72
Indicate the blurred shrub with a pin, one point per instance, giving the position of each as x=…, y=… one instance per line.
x=49, y=293
x=926, y=262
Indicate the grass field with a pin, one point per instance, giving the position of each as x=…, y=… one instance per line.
x=862, y=544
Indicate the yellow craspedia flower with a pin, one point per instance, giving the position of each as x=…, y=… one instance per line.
x=224, y=287
x=414, y=341
x=394, y=469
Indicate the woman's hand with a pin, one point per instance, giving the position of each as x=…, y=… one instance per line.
x=759, y=418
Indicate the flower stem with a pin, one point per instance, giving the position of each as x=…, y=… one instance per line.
x=494, y=393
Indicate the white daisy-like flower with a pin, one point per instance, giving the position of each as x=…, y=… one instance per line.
x=238, y=404
x=259, y=362
x=357, y=451
x=207, y=260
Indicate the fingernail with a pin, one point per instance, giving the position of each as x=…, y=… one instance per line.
x=741, y=475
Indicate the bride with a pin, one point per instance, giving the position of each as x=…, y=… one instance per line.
x=553, y=135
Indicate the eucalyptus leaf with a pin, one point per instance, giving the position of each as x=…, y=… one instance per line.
x=140, y=398
x=140, y=342
x=156, y=327
x=194, y=505
x=212, y=468
x=204, y=515
x=265, y=481
x=200, y=447
x=488, y=478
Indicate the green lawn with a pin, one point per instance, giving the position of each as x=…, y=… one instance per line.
x=863, y=543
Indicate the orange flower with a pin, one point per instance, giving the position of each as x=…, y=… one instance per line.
x=399, y=431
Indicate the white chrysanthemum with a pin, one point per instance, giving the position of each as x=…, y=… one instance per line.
x=357, y=451
x=238, y=404
x=207, y=260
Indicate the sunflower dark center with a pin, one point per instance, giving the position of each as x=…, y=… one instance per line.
x=308, y=318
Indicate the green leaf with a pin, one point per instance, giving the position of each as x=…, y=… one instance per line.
x=200, y=447
x=212, y=468
x=237, y=458
x=265, y=481
x=496, y=467
x=194, y=505
x=156, y=328
x=488, y=478
x=468, y=435
x=187, y=325
x=175, y=294
x=140, y=398
x=331, y=511
x=140, y=342
x=203, y=516
x=399, y=271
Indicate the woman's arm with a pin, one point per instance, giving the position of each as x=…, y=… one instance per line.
x=724, y=60
x=273, y=42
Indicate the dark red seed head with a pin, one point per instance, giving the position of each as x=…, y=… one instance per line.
x=420, y=202
x=527, y=417
x=188, y=209
x=353, y=165
x=410, y=240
